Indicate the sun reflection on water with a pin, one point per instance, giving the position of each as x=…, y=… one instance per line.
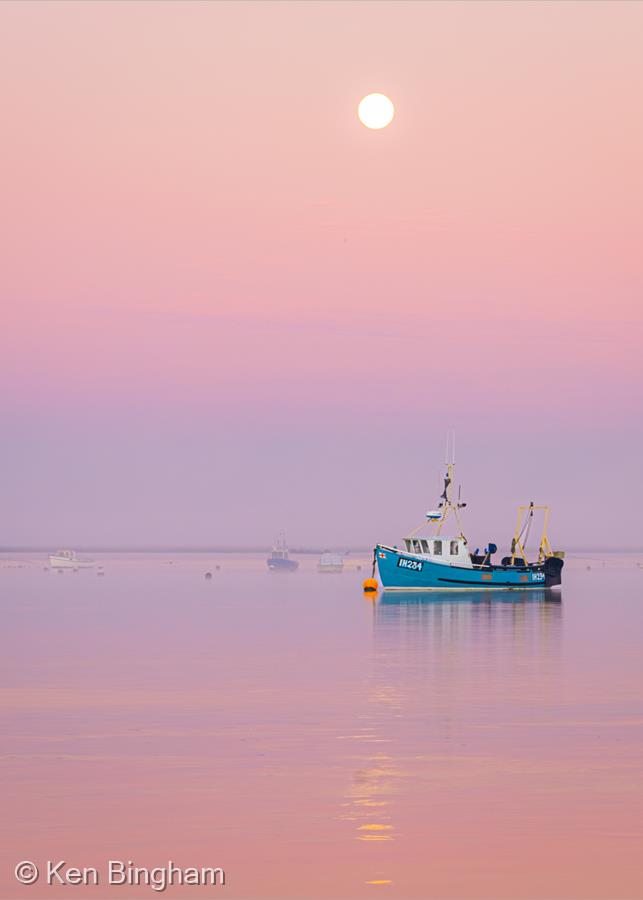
x=425, y=650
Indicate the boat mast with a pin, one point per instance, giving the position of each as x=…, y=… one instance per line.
x=446, y=503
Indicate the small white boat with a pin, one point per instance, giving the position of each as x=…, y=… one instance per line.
x=67, y=559
x=330, y=562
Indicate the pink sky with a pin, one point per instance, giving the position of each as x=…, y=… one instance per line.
x=229, y=308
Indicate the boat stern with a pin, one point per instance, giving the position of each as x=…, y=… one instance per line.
x=553, y=567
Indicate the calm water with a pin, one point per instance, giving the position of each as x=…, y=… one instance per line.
x=316, y=744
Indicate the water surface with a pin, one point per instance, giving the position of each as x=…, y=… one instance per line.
x=317, y=744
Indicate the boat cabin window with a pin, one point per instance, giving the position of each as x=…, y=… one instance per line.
x=454, y=548
x=437, y=548
x=417, y=546
x=407, y=544
x=425, y=546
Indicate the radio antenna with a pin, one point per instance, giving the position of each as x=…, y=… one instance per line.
x=449, y=457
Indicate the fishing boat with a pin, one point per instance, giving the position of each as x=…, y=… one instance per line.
x=434, y=558
x=330, y=562
x=279, y=559
x=67, y=559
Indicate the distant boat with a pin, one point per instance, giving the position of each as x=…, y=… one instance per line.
x=330, y=562
x=67, y=559
x=278, y=559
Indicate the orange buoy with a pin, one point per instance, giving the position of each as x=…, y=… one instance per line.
x=370, y=585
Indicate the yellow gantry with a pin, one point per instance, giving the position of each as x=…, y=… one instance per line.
x=525, y=513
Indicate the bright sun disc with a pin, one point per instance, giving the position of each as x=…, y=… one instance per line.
x=375, y=111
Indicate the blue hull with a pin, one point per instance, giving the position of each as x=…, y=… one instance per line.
x=282, y=565
x=410, y=572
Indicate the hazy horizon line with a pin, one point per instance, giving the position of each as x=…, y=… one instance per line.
x=158, y=548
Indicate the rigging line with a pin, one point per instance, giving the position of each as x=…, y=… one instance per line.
x=530, y=516
x=457, y=518
x=415, y=530
x=526, y=525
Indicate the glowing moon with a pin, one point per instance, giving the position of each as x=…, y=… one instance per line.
x=375, y=111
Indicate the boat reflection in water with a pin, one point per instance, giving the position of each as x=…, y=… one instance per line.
x=520, y=615
x=495, y=629
x=473, y=597
x=444, y=738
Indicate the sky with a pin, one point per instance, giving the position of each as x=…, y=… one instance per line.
x=229, y=309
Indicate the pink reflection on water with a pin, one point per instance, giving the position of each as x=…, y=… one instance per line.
x=314, y=745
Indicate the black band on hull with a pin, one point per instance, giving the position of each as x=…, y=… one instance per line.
x=493, y=584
